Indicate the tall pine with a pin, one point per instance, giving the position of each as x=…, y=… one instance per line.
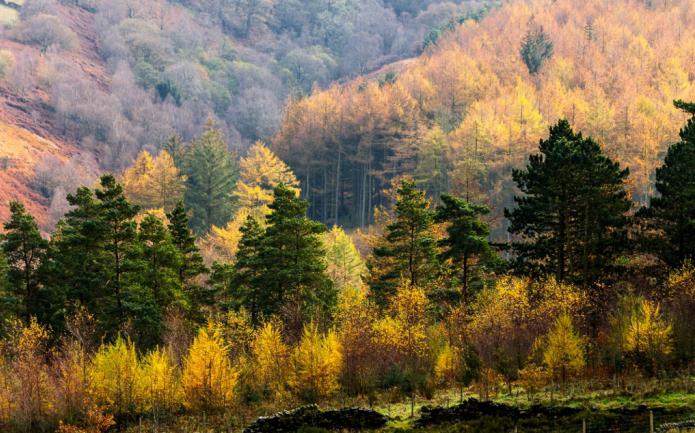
x=24, y=250
x=466, y=246
x=191, y=265
x=408, y=250
x=571, y=220
x=117, y=215
x=672, y=212
x=211, y=172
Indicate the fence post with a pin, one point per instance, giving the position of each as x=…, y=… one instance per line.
x=651, y=421
x=584, y=425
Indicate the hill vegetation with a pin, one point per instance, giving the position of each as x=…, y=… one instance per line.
x=471, y=108
x=512, y=212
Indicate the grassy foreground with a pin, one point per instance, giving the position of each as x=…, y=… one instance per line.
x=601, y=411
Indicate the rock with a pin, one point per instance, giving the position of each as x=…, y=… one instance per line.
x=311, y=416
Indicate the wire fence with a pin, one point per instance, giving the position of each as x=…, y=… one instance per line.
x=642, y=422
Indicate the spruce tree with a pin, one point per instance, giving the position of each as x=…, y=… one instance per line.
x=24, y=250
x=211, y=172
x=570, y=220
x=672, y=213
x=466, y=245
x=191, y=265
x=536, y=48
x=408, y=250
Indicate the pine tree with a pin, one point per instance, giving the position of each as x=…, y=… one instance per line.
x=571, y=219
x=292, y=259
x=466, y=244
x=118, y=216
x=160, y=274
x=24, y=249
x=191, y=265
x=536, y=49
x=78, y=260
x=409, y=248
x=247, y=286
x=672, y=213
x=211, y=175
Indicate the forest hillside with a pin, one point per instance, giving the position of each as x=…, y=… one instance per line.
x=97, y=81
x=476, y=102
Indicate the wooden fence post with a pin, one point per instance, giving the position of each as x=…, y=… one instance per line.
x=584, y=425
x=651, y=421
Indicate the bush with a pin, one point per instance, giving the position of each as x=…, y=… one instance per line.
x=46, y=31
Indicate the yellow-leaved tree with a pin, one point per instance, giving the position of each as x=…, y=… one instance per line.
x=32, y=394
x=316, y=363
x=154, y=182
x=402, y=339
x=259, y=173
x=564, y=351
x=270, y=357
x=115, y=378
x=648, y=335
x=209, y=378
x=345, y=265
x=160, y=383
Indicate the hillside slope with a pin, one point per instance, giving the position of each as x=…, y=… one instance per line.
x=468, y=110
x=102, y=80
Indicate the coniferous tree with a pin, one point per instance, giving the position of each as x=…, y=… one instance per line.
x=571, y=219
x=247, y=284
x=158, y=279
x=24, y=249
x=292, y=259
x=117, y=215
x=191, y=264
x=77, y=264
x=409, y=249
x=211, y=175
x=672, y=213
x=466, y=245
x=7, y=300
x=536, y=49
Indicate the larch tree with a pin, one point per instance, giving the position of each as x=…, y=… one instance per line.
x=345, y=265
x=316, y=363
x=564, y=351
x=271, y=357
x=571, y=220
x=208, y=376
x=409, y=248
x=259, y=173
x=211, y=174
x=24, y=250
